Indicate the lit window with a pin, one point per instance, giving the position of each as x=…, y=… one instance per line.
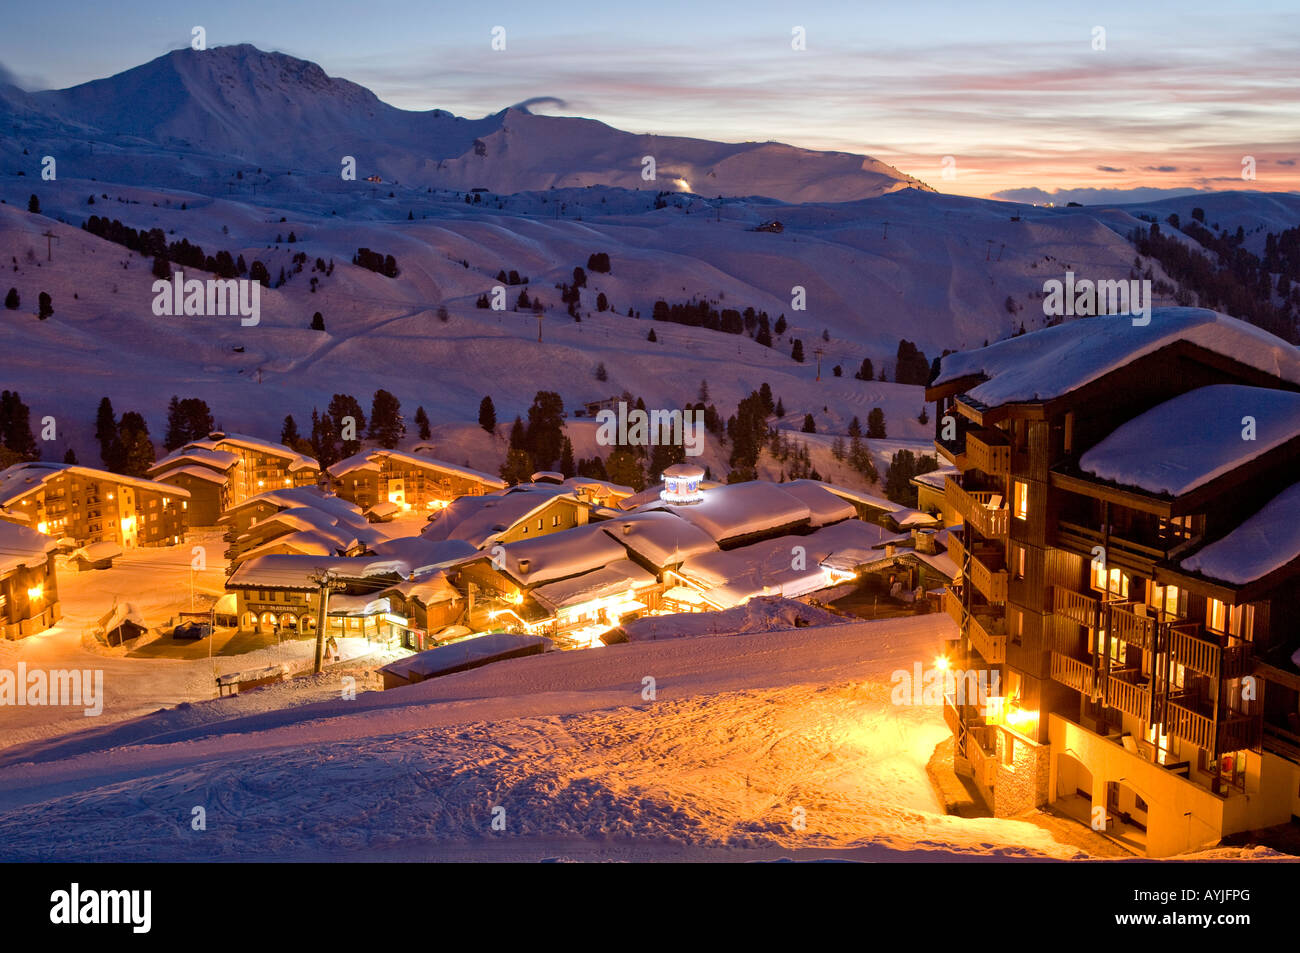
x=1021, y=499
x=1216, y=615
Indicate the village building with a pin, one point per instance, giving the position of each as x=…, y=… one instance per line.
x=518, y=513
x=1130, y=569
x=226, y=469
x=406, y=480
x=84, y=505
x=29, y=591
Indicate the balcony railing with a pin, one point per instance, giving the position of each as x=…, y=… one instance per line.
x=982, y=631
x=988, y=580
x=1189, y=725
x=981, y=752
x=973, y=506
x=1128, y=697
x=1073, y=673
x=1075, y=606
x=988, y=450
x=1138, y=631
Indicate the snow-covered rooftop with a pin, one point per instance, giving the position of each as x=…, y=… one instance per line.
x=22, y=478
x=661, y=539
x=825, y=506
x=619, y=576
x=480, y=519
x=373, y=459
x=295, y=572
x=557, y=555
x=211, y=459
x=285, y=498
x=1192, y=439
x=295, y=460
x=1051, y=362
x=740, y=509
x=22, y=547
x=1266, y=542
x=469, y=652
x=422, y=553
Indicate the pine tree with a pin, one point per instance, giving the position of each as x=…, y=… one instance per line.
x=652, y=336
x=137, y=448
x=422, y=422
x=866, y=372
x=177, y=433
x=545, y=428
x=386, y=424
x=780, y=325
x=876, y=424
x=487, y=415
x=34, y=205
x=317, y=322
x=342, y=406
x=110, y=445
x=797, y=351
x=15, y=427
x=624, y=467
x=45, y=306
x=70, y=457
x=518, y=467
x=11, y=299
x=809, y=425
x=567, y=465
x=602, y=375
x=289, y=435
x=161, y=267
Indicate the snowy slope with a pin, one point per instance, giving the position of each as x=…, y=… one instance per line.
x=756, y=726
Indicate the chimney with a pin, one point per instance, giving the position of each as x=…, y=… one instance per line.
x=524, y=564
x=627, y=529
x=923, y=541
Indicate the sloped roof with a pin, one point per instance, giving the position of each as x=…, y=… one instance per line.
x=21, y=547
x=1052, y=362
x=22, y=478
x=1262, y=544
x=1190, y=440
x=372, y=460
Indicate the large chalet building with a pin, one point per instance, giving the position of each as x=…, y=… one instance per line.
x=93, y=506
x=406, y=480
x=226, y=469
x=1130, y=569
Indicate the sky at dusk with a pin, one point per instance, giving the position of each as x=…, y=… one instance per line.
x=1019, y=97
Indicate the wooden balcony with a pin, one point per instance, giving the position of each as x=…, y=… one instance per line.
x=992, y=582
x=1209, y=653
x=1075, y=606
x=988, y=450
x=1189, y=725
x=983, y=631
x=1128, y=697
x=1073, y=673
x=1137, y=630
x=973, y=506
x=981, y=752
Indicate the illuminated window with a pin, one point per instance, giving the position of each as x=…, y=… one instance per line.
x=1216, y=615
x=1021, y=500
x=1020, y=562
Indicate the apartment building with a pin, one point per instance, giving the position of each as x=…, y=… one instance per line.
x=93, y=506
x=1129, y=571
x=407, y=480
x=226, y=469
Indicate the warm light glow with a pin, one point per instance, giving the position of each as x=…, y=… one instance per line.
x=941, y=663
x=42, y=527
x=35, y=593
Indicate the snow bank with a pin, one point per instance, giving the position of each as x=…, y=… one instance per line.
x=761, y=614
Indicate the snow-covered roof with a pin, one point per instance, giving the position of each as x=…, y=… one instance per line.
x=775, y=566
x=458, y=655
x=95, y=552
x=384, y=508
x=866, y=499
x=429, y=589
x=305, y=543
x=422, y=554
x=21, y=547
x=284, y=498
x=479, y=520
x=622, y=575
x=1265, y=542
x=213, y=459
x=295, y=572
x=934, y=478
x=825, y=506
x=1052, y=362
x=762, y=614
x=557, y=555
x=1194, y=438
x=190, y=470
x=660, y=538
x=22, y=478
x=740, y=509
x=120, y=615
x=373, y=460
x=296, y=460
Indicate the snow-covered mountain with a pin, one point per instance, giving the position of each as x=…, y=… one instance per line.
x=281, y=112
